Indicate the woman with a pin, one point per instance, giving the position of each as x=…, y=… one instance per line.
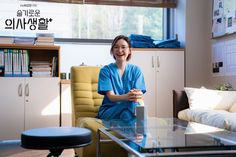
x=122, y=84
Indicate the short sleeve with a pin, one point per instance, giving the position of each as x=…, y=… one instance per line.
x=104, y=81
x=140, y=82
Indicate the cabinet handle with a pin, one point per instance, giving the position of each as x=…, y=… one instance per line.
x=158, y=61
x=27, y=89
x=152, y=62
x=20, y=90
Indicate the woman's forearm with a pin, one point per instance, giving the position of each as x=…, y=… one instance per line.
x=115, y=98
x=132, y=95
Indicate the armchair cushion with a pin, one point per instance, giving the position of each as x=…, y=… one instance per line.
x=85, y=99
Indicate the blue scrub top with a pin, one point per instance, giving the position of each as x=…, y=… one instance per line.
x=110, y=80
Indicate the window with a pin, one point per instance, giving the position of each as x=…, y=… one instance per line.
x=84, y=21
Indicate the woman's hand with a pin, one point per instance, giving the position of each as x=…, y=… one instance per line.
x=134, y=95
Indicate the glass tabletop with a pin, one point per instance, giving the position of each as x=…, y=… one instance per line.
x=168, y=133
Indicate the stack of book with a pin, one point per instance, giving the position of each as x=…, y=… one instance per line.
x=24, y=40
x=44, y=39
x=41, y=69
x=6, y=40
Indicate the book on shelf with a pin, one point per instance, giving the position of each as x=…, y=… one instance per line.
x=40, y=63
x=44, y=35
x=44, y=39
x=25, y=63
x=1, y=62
x=8, y=62
x=41, y=74
x=40, y=68
x=43, y=43
x=16, y=63
x=54, y=67
x=6, y=40
x=24, y=40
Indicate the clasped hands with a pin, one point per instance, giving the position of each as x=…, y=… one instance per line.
x=134, y=95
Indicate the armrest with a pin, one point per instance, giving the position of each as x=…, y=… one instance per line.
x=180, y=102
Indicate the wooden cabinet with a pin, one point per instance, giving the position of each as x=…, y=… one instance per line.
x=29, y=102
x=163, y=70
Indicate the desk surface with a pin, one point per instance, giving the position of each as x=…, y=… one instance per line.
x=171, y=133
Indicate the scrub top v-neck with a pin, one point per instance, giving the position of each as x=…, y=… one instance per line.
x=111, y=80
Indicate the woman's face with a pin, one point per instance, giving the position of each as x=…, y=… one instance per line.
x=121, y=50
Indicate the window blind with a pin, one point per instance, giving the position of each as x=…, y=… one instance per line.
x=141, y=3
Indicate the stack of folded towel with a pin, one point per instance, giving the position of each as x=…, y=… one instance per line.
x=144, y=41
x=170, y=43
x=141, y=41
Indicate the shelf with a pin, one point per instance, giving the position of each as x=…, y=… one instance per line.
x=24, y=46
x=38, y=53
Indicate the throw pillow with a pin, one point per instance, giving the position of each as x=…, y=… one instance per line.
x=233, y=108
x=201, y=98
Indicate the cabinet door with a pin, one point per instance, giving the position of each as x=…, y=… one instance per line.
x=12, y=107
x=146, y=61
x=170, y=75
x=66, y=108
x=42, y=102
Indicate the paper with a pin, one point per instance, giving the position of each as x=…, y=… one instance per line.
x=224, y=58
x=224, y=17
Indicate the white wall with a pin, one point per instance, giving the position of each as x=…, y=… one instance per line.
x=193, y=24
x=194, y=18
x=89, y=54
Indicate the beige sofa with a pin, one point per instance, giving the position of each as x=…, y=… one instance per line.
x=206, y=106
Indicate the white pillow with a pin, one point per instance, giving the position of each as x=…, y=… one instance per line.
x=233, y=108
x=200, y=98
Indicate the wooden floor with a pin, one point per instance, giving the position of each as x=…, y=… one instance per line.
x=12, y=148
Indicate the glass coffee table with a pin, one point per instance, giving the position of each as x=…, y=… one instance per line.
x=168, y=137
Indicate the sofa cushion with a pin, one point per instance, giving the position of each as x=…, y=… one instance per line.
x=233, y=108
x=230, y=121
x=209, y=117
x=201, y=98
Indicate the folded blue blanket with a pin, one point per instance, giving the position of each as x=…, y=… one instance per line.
x=144, y=41
x=170, y=43
x=140, y=44
x=144, y=38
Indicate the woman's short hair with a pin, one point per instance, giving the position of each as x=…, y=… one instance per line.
x=115, y=41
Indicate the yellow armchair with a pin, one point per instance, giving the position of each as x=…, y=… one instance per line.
x=85, y=104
